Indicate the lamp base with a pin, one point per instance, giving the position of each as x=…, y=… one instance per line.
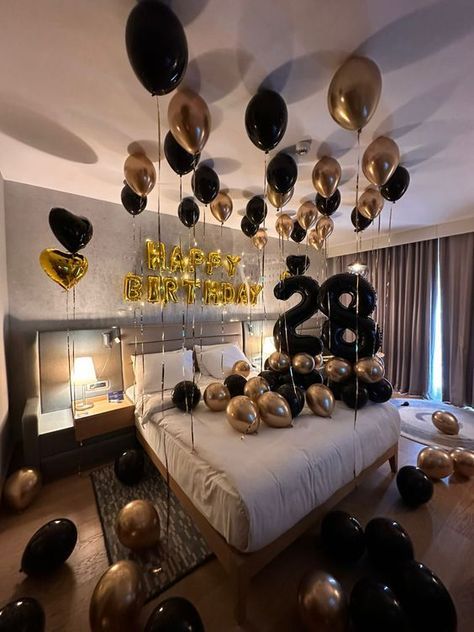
x=83, y=405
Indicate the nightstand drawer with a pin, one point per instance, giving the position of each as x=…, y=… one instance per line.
x=103, y=418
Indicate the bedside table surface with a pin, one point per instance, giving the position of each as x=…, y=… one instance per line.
x=101, y=406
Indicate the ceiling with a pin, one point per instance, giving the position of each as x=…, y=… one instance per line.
x=71, y=108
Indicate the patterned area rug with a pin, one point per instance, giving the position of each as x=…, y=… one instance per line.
x=417, y=424
x=162, y=568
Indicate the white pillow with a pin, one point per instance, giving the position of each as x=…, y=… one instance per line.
x=178, y=367
x=218, y=360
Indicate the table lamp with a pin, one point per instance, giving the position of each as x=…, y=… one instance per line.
x=83, y=373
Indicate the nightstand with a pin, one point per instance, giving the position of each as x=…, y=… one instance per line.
x=103, y=417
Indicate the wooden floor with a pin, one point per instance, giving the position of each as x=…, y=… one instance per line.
x=442, y=532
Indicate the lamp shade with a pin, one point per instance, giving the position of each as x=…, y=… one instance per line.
x=83, y=371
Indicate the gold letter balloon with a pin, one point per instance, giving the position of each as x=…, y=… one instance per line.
x=242, y=414
x=21, y=488
x=138, y=525
x=216, y=396
x=64, y=269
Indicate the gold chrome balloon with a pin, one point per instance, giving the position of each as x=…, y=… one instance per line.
x=140, y=174
x=463, y=462
x=322, y=604
x=284, y=225
x=445, y=422
x=354, y=93
x=256, y=387
x=221, y=207
x=242, y=414
x=138, y=525
x=306, y=215
x=64, y=269
x=326, y=176
x=370, y=203
x=21, y=488
x=276, y=199
x=318, y=362
x=241, y=367
x=303, y=363
x=324, y=227
x=320, y=400
x=216, y=396
x=380, y=160
x=274, y=410
x=435, y=462
x=117, y=599
x=315, y=240
x=369, y=370
x=189, y=120
x=279, y=362
x=338, y=369
x=260, y=239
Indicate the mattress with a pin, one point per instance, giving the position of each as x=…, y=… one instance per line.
x=254, y=488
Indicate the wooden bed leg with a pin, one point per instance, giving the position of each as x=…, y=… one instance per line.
x=240, y=585
x=393, y=460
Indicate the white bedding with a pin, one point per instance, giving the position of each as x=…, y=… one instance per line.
x=255, y=488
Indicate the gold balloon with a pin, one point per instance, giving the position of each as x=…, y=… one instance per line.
x=463, y=462
x=445, y=422
x=303, y=363
x=117, y=599
x=284, y=225
x=260, y=239
x=324, y=227
x=138, y=525
x=326, y=176
x=216, y=396
x=315, y=240
x=241, y=367
x=380, y=160
x=320, y=399
x=435, y=462
x=318, y=362
x=242, y=414
x=276, y=199
x=354, y=93
x=140, y=174
x=189, y=120
x=322, y=604
x=370, y=203
x=274, y=410
x=306, y=215
x=279, y=362
x=256, y=387
x=65, y=269
x=338, y=369
x=369, y=370
x=21, y=488
x=221, y=207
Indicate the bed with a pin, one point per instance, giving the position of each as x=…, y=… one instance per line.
x=252, y=496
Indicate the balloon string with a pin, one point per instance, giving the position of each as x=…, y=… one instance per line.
x=357, y=191
x=357, y=293
x=158, y=120
x=389, y=271
x=68, y=342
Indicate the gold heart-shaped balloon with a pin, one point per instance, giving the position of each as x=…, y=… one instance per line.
x=65, y=269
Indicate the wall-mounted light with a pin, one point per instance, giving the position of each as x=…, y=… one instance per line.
x=110, y=337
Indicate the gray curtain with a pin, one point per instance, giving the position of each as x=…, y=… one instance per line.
x=404, y=278
x=457, y=300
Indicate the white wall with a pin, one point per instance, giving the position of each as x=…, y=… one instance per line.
x=4, y=439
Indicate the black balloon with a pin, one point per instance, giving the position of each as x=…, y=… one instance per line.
x=129, y=466
x=188, y=212
x=298, y=233
x=342, y=536
x=178, y=158
x=256, y=210
x=49, y=547
x=186, y=395
x=354, y=395
x=297, y=264
x=266, y=118
x=414, y=486
x=336, y=388
x=156, y=47
x=305, y=380
x=272, y=378
x=235, y=384
x=205, y=184
x=175, y=614
x=360, y=222
x=72, y=231
x=380, y=391
x=397, y=185
x=294, y=396
x=132, y=203
x=22, y=615
x=374, y=607
x=248, y=228
x=282, y=173
x=328, y=206
x=388, y=544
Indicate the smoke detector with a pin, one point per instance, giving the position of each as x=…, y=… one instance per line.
x=303, y=147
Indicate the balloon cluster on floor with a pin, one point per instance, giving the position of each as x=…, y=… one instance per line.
x=403, y=594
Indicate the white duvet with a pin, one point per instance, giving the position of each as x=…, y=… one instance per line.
x=254, y=488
